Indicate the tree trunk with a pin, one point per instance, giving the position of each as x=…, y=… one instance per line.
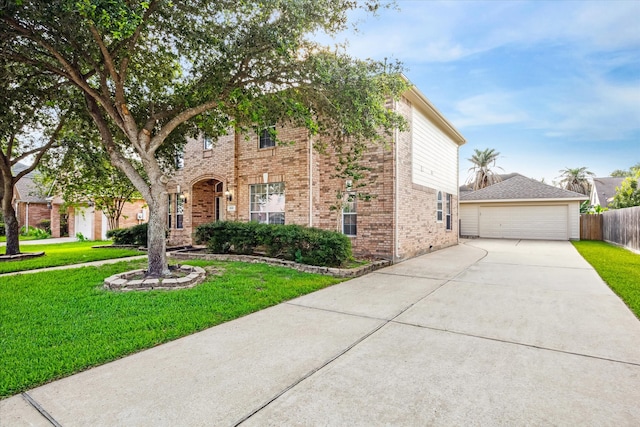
x=12, y=229
x=157, y=244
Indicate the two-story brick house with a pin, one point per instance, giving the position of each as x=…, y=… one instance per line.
x=243, y=178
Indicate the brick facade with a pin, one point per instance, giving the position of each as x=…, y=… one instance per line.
x=398, y=223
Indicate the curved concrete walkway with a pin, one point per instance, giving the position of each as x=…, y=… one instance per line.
x=486, y=333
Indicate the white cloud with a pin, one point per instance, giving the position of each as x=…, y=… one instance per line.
x=487, y=109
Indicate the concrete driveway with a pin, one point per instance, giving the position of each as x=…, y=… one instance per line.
x=489, y=332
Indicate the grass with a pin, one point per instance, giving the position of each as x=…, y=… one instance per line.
x=61, y=322
x=20, y=238
x=617, y=266
x=63, y=254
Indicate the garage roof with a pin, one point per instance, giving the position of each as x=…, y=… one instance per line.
x=520, y=188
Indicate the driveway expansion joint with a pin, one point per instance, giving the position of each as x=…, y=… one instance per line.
x=521, y=344
x=40, y=409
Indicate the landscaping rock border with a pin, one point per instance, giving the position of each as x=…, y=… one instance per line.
x=329, y=271
x=20, y=257
x=126, y=282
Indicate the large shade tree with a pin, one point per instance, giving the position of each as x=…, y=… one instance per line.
x=30, y=125
x=481, y=173
x=155, y=71
x=576, y=179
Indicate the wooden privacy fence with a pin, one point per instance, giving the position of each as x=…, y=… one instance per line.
x=619, y=226
x=590, y=227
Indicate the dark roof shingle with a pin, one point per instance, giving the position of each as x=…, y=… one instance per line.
x=520, y=187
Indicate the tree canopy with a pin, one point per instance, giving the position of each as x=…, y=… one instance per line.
x=622, y=173
x=482, y=174
x=32, y=117
x=153, y=72
x=576, y=179
x=628, y=194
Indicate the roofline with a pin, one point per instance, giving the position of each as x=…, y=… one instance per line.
x=414, y=95
x=568, y=199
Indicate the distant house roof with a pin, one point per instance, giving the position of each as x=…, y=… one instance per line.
x=604, y=189
x=520, y=188
x=25, y=189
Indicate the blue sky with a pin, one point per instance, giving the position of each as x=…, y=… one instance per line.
x=548, y=84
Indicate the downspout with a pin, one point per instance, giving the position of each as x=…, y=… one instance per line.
x=396, y=240
x=310, y=182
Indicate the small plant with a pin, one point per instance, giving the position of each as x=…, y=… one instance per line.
x=80, y=237
x=34, y=233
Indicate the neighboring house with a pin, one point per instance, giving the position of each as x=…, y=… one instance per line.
x=31, y=208
x=92, y=224
x=247, y=177
x=603, y=190
x=521, y=208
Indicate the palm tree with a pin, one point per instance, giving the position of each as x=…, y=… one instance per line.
x=482, y=176
x=576, y=179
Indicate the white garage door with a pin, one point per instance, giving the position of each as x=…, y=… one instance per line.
x=524, y=222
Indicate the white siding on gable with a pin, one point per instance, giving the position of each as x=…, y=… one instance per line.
x=434, y=156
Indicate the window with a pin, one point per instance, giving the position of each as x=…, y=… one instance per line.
x=448, y=213
x=439, y=207
x=267, y=203
x=208, y=143
x=179, y=210
x=350, y=217
x=180, y=160
x=266, y=138
x=169, y=213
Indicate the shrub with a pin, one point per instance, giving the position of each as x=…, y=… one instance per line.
x=136, y=235
x=292, y=242
x=34, y=232
x=3, y=231
x=45, y=225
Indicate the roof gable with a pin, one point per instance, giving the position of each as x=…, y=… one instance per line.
x=605, y=188
x=519, y=187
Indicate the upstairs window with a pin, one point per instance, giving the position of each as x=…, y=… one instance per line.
x=208, y=143
x=266, y=138
x=439, y=207
x=180, y=160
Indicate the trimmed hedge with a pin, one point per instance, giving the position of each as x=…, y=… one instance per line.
x=305, y=245
x=136, y=235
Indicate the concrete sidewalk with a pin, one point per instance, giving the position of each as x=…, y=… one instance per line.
x=49, y=241
x=486, y=333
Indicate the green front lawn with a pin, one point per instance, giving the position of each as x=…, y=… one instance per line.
x=60, y=322
x=64, y=254
x=617, y=266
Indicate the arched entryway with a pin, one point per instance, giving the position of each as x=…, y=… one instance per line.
x=207, y=205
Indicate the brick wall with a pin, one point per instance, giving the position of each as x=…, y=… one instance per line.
x=237, y=162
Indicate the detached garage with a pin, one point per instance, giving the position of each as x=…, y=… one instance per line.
x=520, y=208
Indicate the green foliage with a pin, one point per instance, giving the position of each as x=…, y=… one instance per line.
x=628, y=194
x=482, y=174
x=34, y=232
x=136, y=235
x=292, y=242
x=625, y=173
x=2, y=229
x=619, y=267
x=58, y=323
x=576, y=179
x=45, y=225
x=63, y=254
